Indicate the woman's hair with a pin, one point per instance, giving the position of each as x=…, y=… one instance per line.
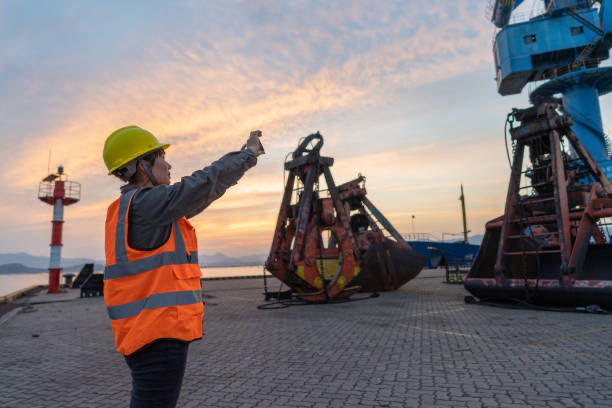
x=123, y=173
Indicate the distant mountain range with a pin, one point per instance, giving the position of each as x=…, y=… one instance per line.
x=475, y=239
x=18, y=263
x=42, y=262
x=21, y=262
x=17, y=268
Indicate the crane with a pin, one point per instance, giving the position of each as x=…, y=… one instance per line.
x=552, y=246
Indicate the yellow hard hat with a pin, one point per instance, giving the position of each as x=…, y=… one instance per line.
x=127, y=144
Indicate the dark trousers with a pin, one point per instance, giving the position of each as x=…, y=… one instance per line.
x=157, y=373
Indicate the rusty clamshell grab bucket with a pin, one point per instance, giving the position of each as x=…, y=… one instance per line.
x=330, y=243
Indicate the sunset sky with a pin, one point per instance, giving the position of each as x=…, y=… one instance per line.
x=402, y=91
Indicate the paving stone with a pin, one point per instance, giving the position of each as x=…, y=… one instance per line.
x=420, y=346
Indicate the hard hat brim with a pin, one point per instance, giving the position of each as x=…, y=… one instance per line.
x=137, y=155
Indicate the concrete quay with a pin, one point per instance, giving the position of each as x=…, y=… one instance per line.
x=420, y=346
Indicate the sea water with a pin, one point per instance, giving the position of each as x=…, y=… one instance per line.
x=10, y=283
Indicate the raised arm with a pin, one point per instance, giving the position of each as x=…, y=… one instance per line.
x=162, y=205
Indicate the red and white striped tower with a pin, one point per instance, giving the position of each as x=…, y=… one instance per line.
x=58, y=192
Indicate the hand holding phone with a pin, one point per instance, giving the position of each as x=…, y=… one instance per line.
x=254, y=144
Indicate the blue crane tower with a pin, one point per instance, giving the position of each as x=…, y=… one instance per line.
x=553, y=244
x=565, y=46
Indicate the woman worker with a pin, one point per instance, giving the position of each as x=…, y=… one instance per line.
x=152, y=283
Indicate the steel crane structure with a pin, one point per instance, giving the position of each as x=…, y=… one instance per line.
x=552, y=245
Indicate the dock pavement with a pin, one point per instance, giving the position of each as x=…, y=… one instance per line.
x=420, y=346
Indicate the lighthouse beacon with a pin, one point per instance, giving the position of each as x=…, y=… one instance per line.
x=58, y=191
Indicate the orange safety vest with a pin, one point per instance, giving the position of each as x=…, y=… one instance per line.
x=154, y=294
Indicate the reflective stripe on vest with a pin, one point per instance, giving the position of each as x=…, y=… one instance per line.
x=148, y=263
x=154, y=301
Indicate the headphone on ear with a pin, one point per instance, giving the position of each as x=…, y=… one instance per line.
x=126, y=172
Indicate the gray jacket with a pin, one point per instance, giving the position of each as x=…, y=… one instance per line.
x=155, y=208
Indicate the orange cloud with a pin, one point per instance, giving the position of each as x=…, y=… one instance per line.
x=204, y=99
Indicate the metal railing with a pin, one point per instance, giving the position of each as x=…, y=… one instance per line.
x=420, y=236
x=567, y=68
x=72, y=189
